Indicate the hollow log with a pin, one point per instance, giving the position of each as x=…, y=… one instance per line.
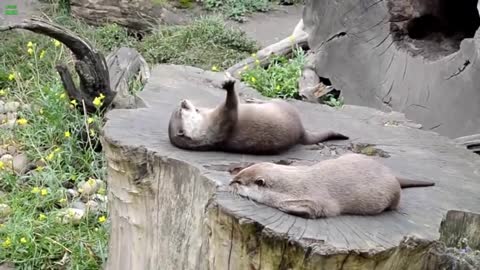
x=168, y=210
x=416, y=57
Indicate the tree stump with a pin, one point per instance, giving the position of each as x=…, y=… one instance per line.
x=416, y=57
x=167, y=209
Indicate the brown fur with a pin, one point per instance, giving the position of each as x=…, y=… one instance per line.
x=252, y=128
x=350, y=184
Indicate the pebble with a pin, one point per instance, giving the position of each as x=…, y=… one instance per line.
x=12, y=150
x=5, y=210
x=2, y=107
x=78, y=205
x=3, y=117
x=20, y=163
x=7, y=160
x=87, y=188
x=11, y=106
x=92, y=206
x=71, y=215
x=3, y=151
x=72, y=193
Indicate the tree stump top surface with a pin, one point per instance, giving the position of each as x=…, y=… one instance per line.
x=413, y=153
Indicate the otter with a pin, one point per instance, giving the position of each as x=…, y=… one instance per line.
x=350, y=184
x=255, y=127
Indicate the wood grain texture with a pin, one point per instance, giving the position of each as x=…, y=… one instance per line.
x=168, y=209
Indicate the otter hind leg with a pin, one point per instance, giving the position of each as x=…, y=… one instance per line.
x=302, y=208
x=314, y=138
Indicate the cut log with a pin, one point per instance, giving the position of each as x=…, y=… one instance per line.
x=471, y=142
x=137, y=15
x=460, y=229
x=168, y=210
x=415, y=57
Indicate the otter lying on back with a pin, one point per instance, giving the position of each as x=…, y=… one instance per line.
x=351, y=184
x=250, y=128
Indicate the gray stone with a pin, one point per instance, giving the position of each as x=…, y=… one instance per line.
x=363, y=48
x=78, y=205
x=5, y=210
x=20, y=163
x=167, y=205
x=2, y=107
x=12, y=106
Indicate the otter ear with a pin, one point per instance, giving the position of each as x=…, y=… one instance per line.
x=180, y=133
x=260, y=182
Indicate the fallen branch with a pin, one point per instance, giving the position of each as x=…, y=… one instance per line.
x=90, y=64
x=263, y=57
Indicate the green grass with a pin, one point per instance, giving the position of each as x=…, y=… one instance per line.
x=280, y=78
x=31, y=235
x=237, y=9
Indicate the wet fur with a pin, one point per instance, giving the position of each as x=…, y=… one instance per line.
x=256, y=127
x=350, y=184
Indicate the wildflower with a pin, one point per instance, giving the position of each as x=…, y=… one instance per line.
x=40, y=111
x=80, y=190
x=277, y=87
x=245, y=67
x=214, y=68
x=35, y=190
x=67, y=134
x=71, y=213
x=11, y=76
x=102, y=219
x=42, y=54
x=57, y=149
x=102, y=96
x=97, y=102
x=23, y=240
x=254, y=55
x=92, y=133
x=42, y=217
x=2, y=165
x=44, y=192
x=62, y=200
x=2, y=225
x=22, y=121
x=62, y=96
x=253, y=79
x=2, y=92
x=91, y=181
x=39, y=169
x=50, y=156
x=57, y=43
x=30, y=51
x=257, y=62
x=90, y=120
x=30, y=44
x=7, y=243
x=101, y=191
x=73, y=102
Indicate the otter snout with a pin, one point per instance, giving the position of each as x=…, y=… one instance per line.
x=185, y=104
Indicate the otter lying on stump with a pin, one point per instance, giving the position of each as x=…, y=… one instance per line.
x=250, y=128
x=350, y=184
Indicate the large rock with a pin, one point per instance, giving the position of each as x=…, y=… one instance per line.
x=167, y=210
x=364, y=48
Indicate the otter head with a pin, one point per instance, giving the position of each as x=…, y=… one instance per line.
x=256, y=176
x=188, y=126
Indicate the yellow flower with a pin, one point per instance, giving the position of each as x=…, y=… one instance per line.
x=44, y=192
x=73, y=102
x=50, y=156
x=97, y=102
x=90, y=120
x=35, y=190
x=245, y=67
x=277, y=87
x=214, y=68
x=101, y=191
x=30, y=51
x=57, y=149
x=29, y=44
x=92, y=133
x=254, y=55
x=62, y=200
x=23, y=240
x=62, y=96
x=253, y=79
x=257, y=62
x=11, y=76
x=22, y=121
x=71, y=213
x=2, y=92
x=2, y=225
x=7, y=243
x=80, y=190
x=42, y=217
x=102, y=219
x=39, y=168
x=2, y=165
x=57, y=43
x=102, y=96
x=40, y=111
x=91, y=181
x=67, y=134
x=42, y=54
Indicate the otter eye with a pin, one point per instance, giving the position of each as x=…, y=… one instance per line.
x=197, y=110
x=260, y=182
x=180, y=132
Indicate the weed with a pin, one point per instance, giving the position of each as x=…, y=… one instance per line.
x=237, y=9
x=280, y=79
x=332, y=101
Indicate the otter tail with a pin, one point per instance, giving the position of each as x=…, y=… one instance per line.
x=408, y=183
x=313, y=138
